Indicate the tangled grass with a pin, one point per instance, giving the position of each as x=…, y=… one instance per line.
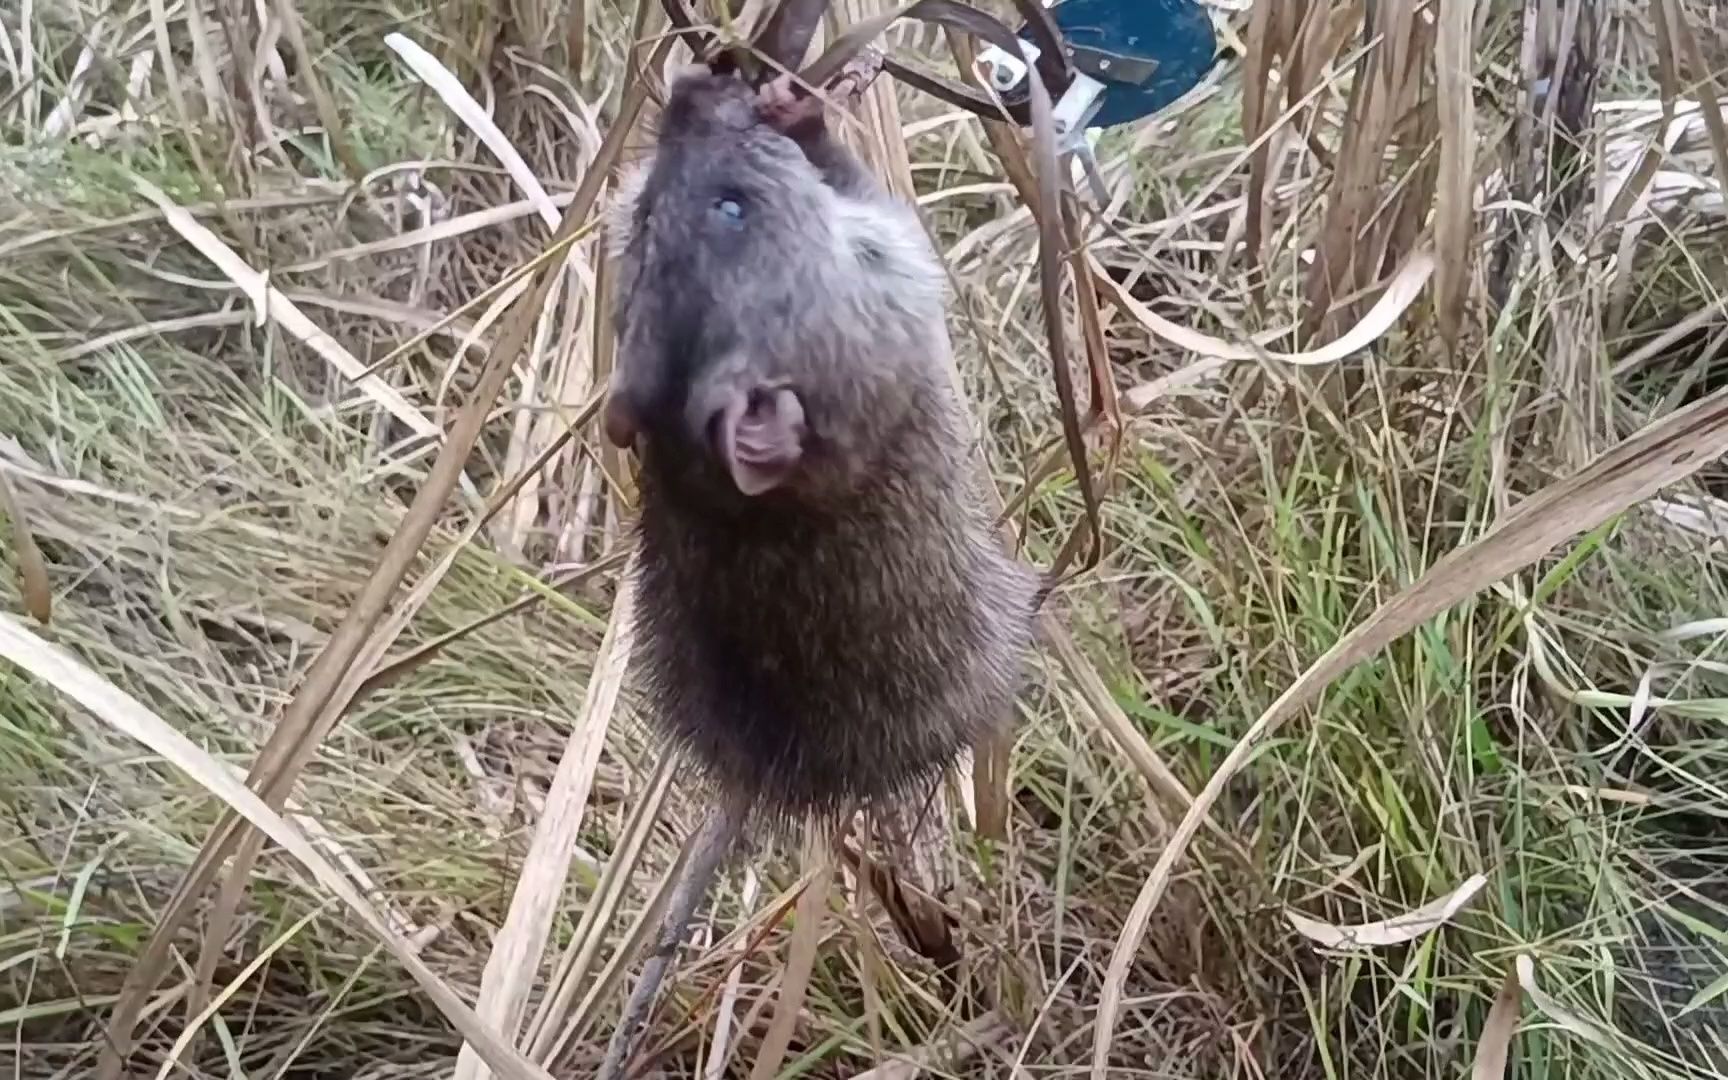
x=209, y=455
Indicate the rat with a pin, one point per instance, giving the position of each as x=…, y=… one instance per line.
x=826, y=617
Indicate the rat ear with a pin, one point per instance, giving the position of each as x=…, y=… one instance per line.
x=761, y=438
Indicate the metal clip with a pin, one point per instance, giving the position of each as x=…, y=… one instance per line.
x=1075, y=135
x=1076, y=108
x=1007, y=70
x=1083, y=164
x=1072, y=113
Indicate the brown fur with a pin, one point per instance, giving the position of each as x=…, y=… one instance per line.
x=844, y=636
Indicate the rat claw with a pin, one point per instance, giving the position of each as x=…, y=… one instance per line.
x=788, y=108
x=779, y=91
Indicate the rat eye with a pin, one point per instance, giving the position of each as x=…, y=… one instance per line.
x=729, y=207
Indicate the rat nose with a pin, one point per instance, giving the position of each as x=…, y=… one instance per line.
x=736, y=408
x=624, y=415
x=742, y=409
x=619, y=421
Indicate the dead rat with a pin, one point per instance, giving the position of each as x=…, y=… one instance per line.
x=825, y=615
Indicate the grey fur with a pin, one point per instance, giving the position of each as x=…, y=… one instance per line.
x=843, y=637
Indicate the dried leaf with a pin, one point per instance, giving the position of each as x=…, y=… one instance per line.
x=800, y=959
x=1400, y=293
x=1360, y=221
x=1164, y=785
x=33, y=582
x=456, y=97
x=401, y=666
x=1495, y=1046
x=448, y=229
x=1454, y=209
x=1259, y=101
x=1393, y=931
x=987, y=778
x=1582, y=1026
x=1640, y=706
x=950, y=1051
x=555, y=1023
x=715, y=1069
x=1699, y=628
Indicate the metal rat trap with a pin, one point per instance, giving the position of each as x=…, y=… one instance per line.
x=1104, y=62
x=1129, y=59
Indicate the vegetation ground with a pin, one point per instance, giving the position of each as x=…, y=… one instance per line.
x=208, y=492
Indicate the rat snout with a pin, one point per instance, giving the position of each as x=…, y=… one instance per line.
x=621, y=417
x=619, y=421
x=760, y=436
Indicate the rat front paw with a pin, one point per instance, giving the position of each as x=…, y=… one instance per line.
x=788, y=108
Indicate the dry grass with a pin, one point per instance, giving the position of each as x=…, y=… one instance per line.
x=214, y=435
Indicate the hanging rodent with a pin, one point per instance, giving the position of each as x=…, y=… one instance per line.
x=826, y=617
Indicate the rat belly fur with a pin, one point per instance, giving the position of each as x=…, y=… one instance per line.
x=806, y=658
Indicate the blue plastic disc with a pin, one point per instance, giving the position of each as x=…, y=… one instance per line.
x=1175, y=36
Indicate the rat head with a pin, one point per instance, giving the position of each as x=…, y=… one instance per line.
x=763, y=320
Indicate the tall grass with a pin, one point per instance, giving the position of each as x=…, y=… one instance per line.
x=211, y=495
